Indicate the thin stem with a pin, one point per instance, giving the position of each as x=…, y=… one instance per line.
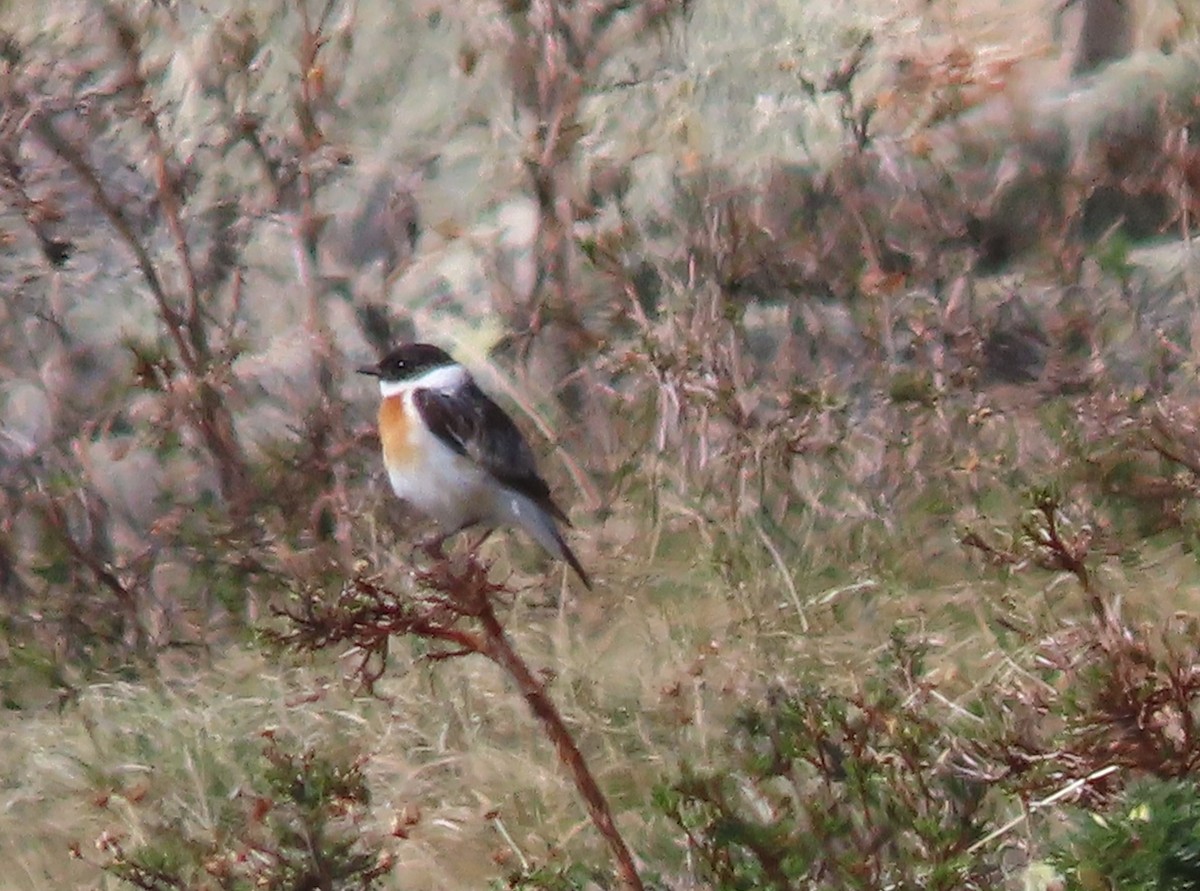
x=499, y=648
x=49, y=135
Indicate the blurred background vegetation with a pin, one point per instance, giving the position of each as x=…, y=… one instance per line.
x=856, y=336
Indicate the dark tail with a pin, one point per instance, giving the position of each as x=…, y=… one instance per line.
x=573, y=561
x=537, y=518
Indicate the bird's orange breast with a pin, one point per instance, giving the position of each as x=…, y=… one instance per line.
x=395, y=432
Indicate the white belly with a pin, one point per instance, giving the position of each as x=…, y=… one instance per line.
x=443, y=484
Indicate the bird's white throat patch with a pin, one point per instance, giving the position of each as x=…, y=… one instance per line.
x=445, y=377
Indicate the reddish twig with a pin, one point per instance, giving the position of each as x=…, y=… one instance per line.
x=500, y=650
x=207, y=410
x=166, y=182
x=366, y=614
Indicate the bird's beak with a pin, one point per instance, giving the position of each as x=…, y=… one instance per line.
x=372, y=370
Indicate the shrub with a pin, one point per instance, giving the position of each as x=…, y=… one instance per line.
x=298, y=826
x=830, y=790
x=1149, y=840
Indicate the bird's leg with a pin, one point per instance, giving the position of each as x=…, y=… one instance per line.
x=479, y=541
x=432, y=545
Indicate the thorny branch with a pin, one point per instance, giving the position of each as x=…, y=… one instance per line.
x=1041, y=540
x=366, y=614
x=207, y=411
x=166, y=179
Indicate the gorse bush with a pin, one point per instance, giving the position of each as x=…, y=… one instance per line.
x=575, y=877
x=142, y=463
x=299, y=824
x=829, y=790
x=1148, y=839
x=784, y=377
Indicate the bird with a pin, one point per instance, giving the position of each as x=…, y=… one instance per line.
x=456, y=456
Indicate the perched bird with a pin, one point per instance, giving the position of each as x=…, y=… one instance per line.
x=452, y=453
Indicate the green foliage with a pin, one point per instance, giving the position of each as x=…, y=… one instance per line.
x=782, y=368
x=828, y=790
x=1149, y=840
x=300, y=825
x=1112, y=255
x=912, y=386
x=572, y=877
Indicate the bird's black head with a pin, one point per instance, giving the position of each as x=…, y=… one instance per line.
x=407, y=362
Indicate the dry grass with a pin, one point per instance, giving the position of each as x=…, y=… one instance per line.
x=772, y=440
x=641, y=687
x=644, y=680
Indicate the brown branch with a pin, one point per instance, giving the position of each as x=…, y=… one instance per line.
x=170, y=203
x=1041, y=541
x=168, y=200
x=366, y=614
x=998, y=556
x=165, y=183
x=1165, y=441
x=39, y=123
x=207, y=412
x=55, y=517
x=1070, y=556
x=12, y=180
x=247, y=130
x=328, y=418
x=44, y=130
x=500, y=650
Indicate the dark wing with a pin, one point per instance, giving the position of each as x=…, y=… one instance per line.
x=473, y=425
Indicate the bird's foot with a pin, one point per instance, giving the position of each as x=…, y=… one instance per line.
x=432, y=547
